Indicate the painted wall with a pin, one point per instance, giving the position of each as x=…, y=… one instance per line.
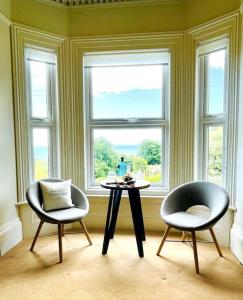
x=127, y=19
x=110, y=20
x=174, y=16
x=200, y=11
x=5, y=8
x=39, y=15
x=8, y=194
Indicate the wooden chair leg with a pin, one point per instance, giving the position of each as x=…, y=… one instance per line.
x=36, y=235
x=85, y=231
x=194, y=243
x=163, y=239
x=63, y=230
x=215, y=241
x=183, y=238
x=60, y=241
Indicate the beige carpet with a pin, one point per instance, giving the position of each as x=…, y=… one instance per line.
x=86, y=274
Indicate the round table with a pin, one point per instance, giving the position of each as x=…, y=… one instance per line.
x=136, y=210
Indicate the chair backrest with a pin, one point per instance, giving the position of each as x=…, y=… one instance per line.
x=35, y=200
x=193, y=193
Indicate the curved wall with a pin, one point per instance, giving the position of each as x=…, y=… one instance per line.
x=36, y=14
x=200, y=11
x=176, y=15
x=127, y=19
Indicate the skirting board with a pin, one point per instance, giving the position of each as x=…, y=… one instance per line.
x=10, y=235
x=236, y=242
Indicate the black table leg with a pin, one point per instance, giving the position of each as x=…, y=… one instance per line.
x=115, y=209
x=107, y=226
x=136, y=223
x=137, y=200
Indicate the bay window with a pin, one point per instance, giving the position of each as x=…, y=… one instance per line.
x=41, y=106
x=212, y=113
x=126, y=115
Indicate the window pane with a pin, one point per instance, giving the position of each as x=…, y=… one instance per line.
x=141, y=149
x=39, y=89
x=41, y=152
x=216, y=78
x=215, y=153
x=127, y=92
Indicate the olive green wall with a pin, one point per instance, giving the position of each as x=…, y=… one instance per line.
x=10, y=226
x=8, y=195
x=5, y=7
x=200, y=11
x=174, y=16
x=110, y=20
x=127, y=19
x=36, y=14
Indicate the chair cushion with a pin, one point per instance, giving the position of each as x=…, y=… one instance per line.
x=56, y=195
x=68, y=215
x=184, y=220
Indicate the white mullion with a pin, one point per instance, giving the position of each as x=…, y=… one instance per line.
x=214, y=119
x=41, y=122
x=127, y=123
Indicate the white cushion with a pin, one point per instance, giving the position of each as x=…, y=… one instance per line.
x=56, y=195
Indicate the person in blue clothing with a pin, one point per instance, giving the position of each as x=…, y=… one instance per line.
x=122, y=167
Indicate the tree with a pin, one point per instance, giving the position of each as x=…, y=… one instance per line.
x=137, y=163
x=151, y=152
x=215, y=155
x=101, y=169
x=105, y=157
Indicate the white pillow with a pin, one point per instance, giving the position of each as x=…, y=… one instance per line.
x=56, y=195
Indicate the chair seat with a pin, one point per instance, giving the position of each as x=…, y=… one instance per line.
x=68, y=215
x=184, y=220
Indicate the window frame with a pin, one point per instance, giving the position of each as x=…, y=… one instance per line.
x=50, y=122
x=90, y=124
x=204, y=120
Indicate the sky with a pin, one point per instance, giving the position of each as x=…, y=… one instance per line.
x=125, y=78
x=112, y=80
x=129, y=136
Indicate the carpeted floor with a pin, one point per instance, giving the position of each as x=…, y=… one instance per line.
x=86, y=274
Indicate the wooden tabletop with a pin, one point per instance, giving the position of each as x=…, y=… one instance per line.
x=139, y=184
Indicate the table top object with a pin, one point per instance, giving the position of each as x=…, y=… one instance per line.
x=139, y=184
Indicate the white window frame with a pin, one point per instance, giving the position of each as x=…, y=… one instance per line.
x=133, y=123
x=50, y=123
x=205, y=120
